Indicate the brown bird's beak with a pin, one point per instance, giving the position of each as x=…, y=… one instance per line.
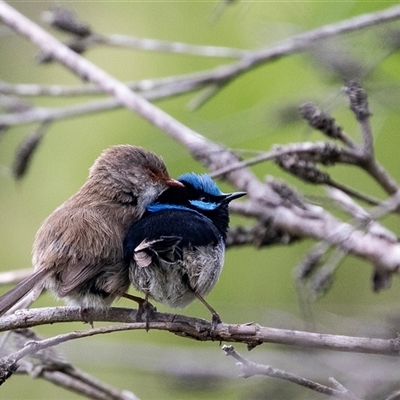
x=173, y=182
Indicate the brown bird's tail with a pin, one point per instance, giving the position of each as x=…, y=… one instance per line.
x=9, y=299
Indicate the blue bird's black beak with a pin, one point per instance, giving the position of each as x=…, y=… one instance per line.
x=232, y=196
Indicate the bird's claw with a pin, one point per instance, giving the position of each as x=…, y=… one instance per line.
x=145, y=313
x=215, y=321
x=86, y=316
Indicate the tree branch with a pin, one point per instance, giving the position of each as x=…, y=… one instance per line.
x=192, y=328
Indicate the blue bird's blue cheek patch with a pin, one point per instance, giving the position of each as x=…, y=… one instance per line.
x=202, y=205
x=160, y=207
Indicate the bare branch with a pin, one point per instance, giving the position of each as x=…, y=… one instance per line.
x=302, y=42
x=250, y=368
x=169, y=47
x=192, y=328
x=66, y=21
x=52, y=366
x=184, y=82
x=95, y=106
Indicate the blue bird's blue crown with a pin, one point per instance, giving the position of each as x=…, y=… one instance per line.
x=201, y=182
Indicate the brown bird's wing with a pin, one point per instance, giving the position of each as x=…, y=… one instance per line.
x=93, y=284
x=21, y=290
x=82, y=249
x=76, y=275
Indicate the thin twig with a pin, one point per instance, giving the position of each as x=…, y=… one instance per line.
x=373, y=201
x=66, y=20
x=160, y=46
x=342, y=155
x=184, y=82
x=302, y=42
x=366, y=219
x=249, y=368
x=84, y=108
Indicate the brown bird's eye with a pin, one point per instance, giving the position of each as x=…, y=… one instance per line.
x=157, y=174
x=153, y=172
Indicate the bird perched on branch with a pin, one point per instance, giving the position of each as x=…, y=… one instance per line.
x=78, y=251
x=176, y=251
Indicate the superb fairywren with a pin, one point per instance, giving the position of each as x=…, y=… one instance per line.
x=78, y=251
x=176, y=251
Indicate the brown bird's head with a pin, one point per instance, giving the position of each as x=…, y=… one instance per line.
x=129, y=175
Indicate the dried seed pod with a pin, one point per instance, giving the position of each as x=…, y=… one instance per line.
x=358, y=100
x=321, y=121
x=26, y=150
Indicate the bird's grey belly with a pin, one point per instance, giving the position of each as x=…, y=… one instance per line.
x=175, y=284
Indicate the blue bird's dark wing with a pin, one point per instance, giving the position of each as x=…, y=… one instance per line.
x=152, y=251
x=163, y=235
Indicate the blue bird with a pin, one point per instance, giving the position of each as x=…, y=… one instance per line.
x=176, y=250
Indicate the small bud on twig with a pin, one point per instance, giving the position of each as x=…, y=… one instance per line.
x=66, y=21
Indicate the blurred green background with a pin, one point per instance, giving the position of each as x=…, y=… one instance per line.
x=249, y=114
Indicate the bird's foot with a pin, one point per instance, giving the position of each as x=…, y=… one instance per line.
x=145, y=313
x=215, y=321
x=86, y=316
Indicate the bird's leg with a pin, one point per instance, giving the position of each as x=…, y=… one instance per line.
x=137, y=299
x=148, y=309
x=216, y=319
x=145, y=307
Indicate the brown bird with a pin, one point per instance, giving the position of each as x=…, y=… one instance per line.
x=78, y=251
